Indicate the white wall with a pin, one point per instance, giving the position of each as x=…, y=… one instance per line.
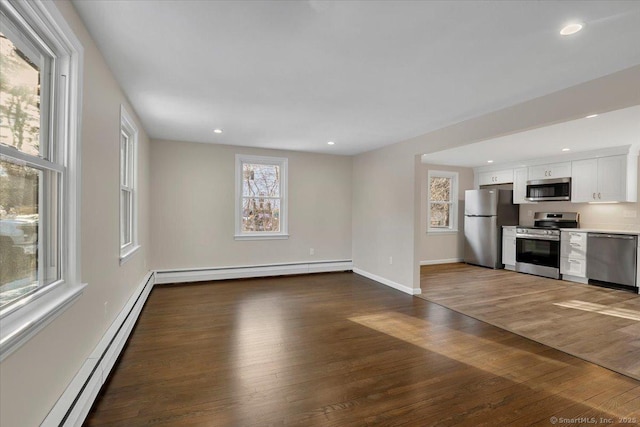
x=390, y=175
x=383, y=215
x=439, y=247
x=33, y=377
x=192, y=205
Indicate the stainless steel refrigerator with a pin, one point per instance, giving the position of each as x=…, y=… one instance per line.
x=485, y=212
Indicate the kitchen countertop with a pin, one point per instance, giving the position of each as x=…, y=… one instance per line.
x=596, y=230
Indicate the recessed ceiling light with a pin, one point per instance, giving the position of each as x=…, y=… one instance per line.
x=571, y=29
x=591, y=116
x=217, y=131
x=489, y=161
x=566, y=149
x=331, y=143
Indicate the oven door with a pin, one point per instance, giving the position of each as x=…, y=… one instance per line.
x=542, y=252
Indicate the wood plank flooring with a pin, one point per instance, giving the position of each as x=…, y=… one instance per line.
x=597, y=324
x=341, y=350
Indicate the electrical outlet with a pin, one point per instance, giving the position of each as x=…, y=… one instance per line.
x=390, y=260
x=630, y=214
x=312, y=251
x=530, y=213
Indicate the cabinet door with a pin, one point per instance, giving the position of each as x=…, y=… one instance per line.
x=553, y=170
x=495, y=177
x=584, y=182
x=520, y=186
x=504, y=176
x=485, y=178
x=509, y=249
x=612, y=179
x=538, y=172
x=560, y=170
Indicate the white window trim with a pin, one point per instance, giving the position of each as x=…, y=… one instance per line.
x=284, y=219
x=23, y=319
x=453, y=228
x=128, y=126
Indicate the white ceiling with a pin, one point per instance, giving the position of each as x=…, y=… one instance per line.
x=296, y=74
x=613, y=129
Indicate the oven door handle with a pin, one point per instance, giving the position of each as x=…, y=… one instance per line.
x=537, y=237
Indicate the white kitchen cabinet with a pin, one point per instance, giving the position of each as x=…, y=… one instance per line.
x=584, y=180
x=573, y=256
x=553, y=170
x=612, y=179
x=509, y=247
x=495, y=177
x=573, y=269
x=607, y=179
x=520, y=186
x=573, y=244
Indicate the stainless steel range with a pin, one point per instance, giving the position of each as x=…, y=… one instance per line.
x=538, y=247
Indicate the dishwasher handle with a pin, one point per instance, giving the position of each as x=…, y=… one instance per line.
x=612, y=236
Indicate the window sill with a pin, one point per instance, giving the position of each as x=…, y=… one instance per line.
x=453, y=231
x=126, y=255
x=261, y=236
x=18, y=323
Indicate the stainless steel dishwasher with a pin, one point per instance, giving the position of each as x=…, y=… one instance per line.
x=612, y=258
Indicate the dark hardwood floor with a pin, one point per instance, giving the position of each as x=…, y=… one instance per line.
x=342, y=350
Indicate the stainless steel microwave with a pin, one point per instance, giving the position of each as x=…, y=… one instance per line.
x=543, y=190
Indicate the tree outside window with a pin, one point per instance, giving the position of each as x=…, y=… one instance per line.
x=442, y=202
x=261, y=206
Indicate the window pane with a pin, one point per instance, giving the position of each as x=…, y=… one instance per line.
x=19, y=218
x=124, y=159
x=440, y=215
x=20, y=118
x=259, y=214
x=260, y=180
x=125, y=217
x=440, y=189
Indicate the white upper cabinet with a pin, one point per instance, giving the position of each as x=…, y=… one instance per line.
x=607, y=179
x=584, y=182
x=495, y=177
x=612, y=179
x=554, y=170
x=520, y=186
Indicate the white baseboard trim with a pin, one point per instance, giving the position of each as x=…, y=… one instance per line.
x=441, y=261
x=387, y=282
x=73, y=406
x=244, y=272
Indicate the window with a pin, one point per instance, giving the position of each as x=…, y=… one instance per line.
x=128, y=192
x=261, y=198
x=442, y=201
x=39, y=181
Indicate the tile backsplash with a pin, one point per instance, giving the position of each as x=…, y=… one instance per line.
x=609, y=216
